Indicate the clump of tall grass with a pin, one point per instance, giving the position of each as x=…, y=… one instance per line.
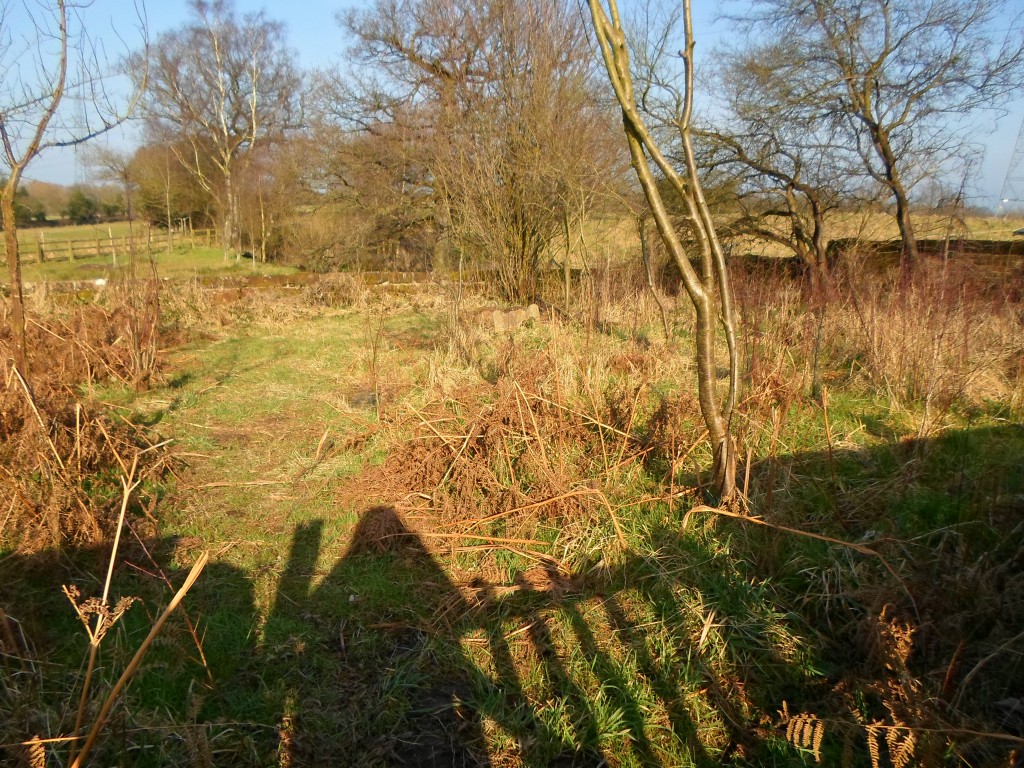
x=58, y=455
x=936, y=341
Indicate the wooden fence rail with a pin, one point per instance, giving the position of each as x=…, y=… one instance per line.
x=114, y=247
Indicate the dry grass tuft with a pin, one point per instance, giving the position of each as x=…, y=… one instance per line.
x=60, y=455
x=339, y=290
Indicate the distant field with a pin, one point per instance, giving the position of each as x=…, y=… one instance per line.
x=617, y=239
x=874, y=226
x=180, y=262
x=881, y=226
x=607, y=238
x=29, y=236
x=83, y=240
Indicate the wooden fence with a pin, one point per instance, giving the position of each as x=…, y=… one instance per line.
x=143, y=241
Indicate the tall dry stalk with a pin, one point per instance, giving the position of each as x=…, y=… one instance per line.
x=133, y=665
x=105, y=617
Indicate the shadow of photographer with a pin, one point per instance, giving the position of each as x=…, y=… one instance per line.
x=383, y=660
x=402, y=632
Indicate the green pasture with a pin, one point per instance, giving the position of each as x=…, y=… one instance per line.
x=181, y=262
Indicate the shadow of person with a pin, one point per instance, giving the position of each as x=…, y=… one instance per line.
x=391, y=682
x=386, y=686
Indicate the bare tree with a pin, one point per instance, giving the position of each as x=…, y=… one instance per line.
x=707, y=288
x=372, y=176
x=116, y=166
x=899, y=76
x=54, y=61
x=499, y=103
x=218, y=86
x=787, y=172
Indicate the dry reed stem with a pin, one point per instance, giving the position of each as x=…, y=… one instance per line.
x=7, y=517
x=462, y=448
x=133, y=665
x=656, y=499
x=552, y=500
x=188, y=619
x=533, y=419
x=525, y=507
x=807, y=534
x=38, y=740
x=478, y=537
x=110, y=442
x=596, y=422
x=430, y=426
x=977, y=667
x=128, y=483
x=32, y=404
x=675, y=464
x=633, y=457
x=629, y=426
x=527, y=553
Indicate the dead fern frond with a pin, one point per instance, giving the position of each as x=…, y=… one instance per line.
x=35, y=752
x=94, y=606
x=847, y=758
x=902, y=743
x=803, y=731
x=874, y=748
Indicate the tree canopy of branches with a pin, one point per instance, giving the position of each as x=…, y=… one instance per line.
x=52, y=60
x=219, y=86
x=897, y=77
x=788, y=172
x=497, y=107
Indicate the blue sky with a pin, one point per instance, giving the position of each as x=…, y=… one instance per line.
x=318, y=41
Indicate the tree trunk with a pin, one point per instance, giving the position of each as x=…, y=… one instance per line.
x=818, y=240
x=263, y=229
x=709, y=290
x=230, y=217
x=910, y=256
x=14, y=272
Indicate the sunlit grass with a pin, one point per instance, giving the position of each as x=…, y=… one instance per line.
x=679, y=648
x=181, y=262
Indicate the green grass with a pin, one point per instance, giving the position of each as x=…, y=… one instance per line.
x=678, y=650
x=179, y=263
x=29, y=236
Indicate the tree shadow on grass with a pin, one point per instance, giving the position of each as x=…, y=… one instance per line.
x=553, y=669
x=384, y=661
x=672, y=656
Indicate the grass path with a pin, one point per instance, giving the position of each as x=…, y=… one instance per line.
x=261, y=419
x=400, y=668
